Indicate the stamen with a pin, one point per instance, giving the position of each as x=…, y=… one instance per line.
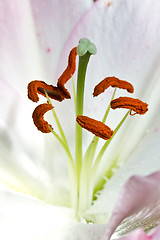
x=96, y=127
x=40, y=87
x=113, y=82
x=69, y=71
x=38, y=117
x=136, y=105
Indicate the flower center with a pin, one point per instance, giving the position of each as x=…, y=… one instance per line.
x=85, y=179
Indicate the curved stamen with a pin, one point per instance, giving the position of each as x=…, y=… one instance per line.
x=136, y=105
x=67, y=74
x=38, y=117
x=96, y=127
x=113, y=82
x=39, y=87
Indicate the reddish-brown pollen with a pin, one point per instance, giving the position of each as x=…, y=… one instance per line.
x=96, y=127
x=113, y=82
x=136, y=105
x=39, y=87
x=38, y=117
x=67, y=74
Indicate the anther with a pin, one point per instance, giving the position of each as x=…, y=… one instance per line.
x=69, y=71
x=39, y=87
x=96, y=127
x=113, y=82
x=38, y=117
x=136, y=105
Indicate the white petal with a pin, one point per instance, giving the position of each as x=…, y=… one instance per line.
x=38, y=171
x=28, y=218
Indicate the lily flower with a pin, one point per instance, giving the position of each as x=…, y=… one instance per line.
x=117, y=194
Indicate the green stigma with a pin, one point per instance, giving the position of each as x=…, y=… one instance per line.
x=86, y=45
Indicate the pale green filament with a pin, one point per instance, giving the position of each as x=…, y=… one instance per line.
x=57, y=121
x=109, y=107
x=103, y=149
x=63, y=144
x=74, y=92
x=99, y=185
x=71, y=167
x=96, y=139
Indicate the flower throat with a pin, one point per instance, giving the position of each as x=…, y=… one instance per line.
x=85, y=180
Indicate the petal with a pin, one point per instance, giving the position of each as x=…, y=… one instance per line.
x=139, y=234
x=136, y=235
x=54, y=21
x=38, y=171
x=156, y=234
x=127, y=44
x=32, y=36
x=127, y=39
x=139, y=198
x=28, y=218
x=20, y=58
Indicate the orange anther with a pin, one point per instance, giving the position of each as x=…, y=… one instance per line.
x=40, y=87
x=38, y=117
x=136, y=105
x=69, y=71
x=113, y=82
x=96, y=127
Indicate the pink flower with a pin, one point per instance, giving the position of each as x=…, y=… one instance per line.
x=35, y=39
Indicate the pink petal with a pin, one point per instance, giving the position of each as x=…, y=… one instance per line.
x=20, y=60
x=127, y=40
x=125, y=33
x=54, y=21
x=32, y=35
x=139, y=234
x=138, y=195
x=156, y=234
